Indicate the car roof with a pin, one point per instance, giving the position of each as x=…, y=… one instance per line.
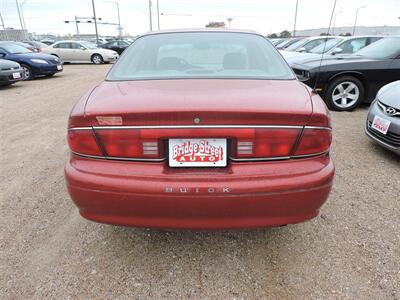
x=208, y=29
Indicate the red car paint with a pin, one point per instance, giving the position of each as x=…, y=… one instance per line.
x=288, y=187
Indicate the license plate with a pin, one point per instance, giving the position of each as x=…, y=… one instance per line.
x=380, y=125
x=16, y=75
x=59, y=67
x=197, y=152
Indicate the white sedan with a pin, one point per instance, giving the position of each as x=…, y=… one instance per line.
x=81, y=51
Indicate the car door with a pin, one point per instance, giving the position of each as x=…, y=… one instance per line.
x=79, y=52
x=64, y=51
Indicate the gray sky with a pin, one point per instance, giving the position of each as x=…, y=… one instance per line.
x=265, y=16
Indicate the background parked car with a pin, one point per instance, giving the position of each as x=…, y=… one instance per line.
x=10, y=72
x=345, y=82
x=38, y=46
x=100, y=41
x=81, y=51
x=306, y=44
x=47, y=42
x=27, y=46
x=33, y=64
x=117, y=45
x=287, y=42
x=336, y=46
x=383, y=121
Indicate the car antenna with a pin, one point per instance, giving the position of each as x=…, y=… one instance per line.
x=323, y=50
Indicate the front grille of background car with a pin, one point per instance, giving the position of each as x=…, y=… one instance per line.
x=390, y=138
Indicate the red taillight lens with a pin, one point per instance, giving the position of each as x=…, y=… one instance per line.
x=128, y=143
x=267, y=142
x=83, y=142
x=314, y=141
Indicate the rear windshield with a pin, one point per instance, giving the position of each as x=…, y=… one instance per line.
x=200, y=55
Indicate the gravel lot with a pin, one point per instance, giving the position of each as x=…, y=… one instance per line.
x=351, y=251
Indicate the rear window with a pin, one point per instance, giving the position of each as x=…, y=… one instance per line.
x=200, y=55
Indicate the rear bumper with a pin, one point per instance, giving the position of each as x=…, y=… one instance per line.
x=243, y=195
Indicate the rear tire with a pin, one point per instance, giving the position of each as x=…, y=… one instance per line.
x=97, y=59
x=27, y=72
x=345, y=93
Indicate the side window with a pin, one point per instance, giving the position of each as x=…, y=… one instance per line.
x=114, y=44
x=313, y=44
x=353, y=45
x=75, y=45
x=122, y=44
x=62, y=46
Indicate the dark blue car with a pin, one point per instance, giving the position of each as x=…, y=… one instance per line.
x=33, y=64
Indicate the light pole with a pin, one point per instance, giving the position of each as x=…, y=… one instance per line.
x=355, y=21
x=158, y=15
x=95, y=22
x=229, y=21
x=119, y=18
x=151, y=22
x=295, y=18
x=19, y=14
x=334, y=21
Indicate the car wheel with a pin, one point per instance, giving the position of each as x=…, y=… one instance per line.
x=345, y=93
x=97, y=59
x=26, y=72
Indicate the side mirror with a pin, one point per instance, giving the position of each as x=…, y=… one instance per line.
x=2, y=54
x=302, y=49
x=82, y=48
x=336, y=51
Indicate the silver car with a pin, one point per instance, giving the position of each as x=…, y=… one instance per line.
x=383, y=121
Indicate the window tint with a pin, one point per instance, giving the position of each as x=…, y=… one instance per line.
x=200, y=55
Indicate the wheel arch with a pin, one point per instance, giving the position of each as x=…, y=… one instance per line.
x=360, y=76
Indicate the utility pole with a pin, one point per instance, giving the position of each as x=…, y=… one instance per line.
x=77, y=28
x=151, y=22
x=158, y=15
x=295, y=18
x=95, y=22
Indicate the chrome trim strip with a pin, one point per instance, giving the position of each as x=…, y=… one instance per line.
x=200, y=126
x=121, y=158
x=279, y=158
x=80, y=128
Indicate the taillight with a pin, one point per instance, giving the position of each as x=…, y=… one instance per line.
x=83, y=142
x=314, y=141
x=128, y=143
x=267, y=142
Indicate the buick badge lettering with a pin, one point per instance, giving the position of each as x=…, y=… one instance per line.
x=197, y=190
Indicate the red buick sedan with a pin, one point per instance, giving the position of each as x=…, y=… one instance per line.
x=200, y=129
